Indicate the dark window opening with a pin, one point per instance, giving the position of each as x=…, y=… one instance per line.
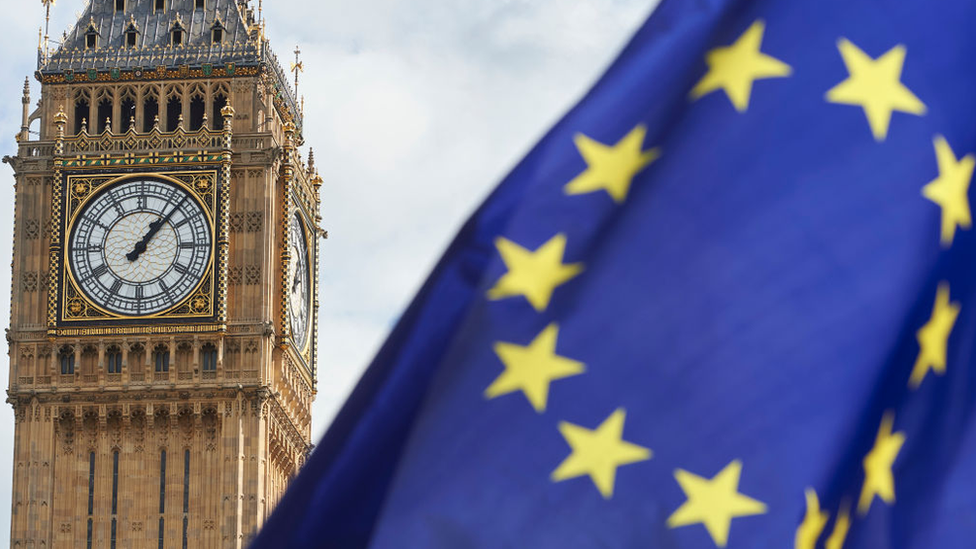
x=119, y=5
x=219, y=102
x=186, y=481
x=174, y=108
x=218, y=36
x=130, y=39
x=67, y=363
x=160, y=4
x=128, y=114
x=115, y=485
x=197, y=109
x=208, y=356
x=177, y=37
x=200, y=4
x=114, y=361
x=104, y=114
x=91, y=483
x=91, y=40
x=81, y=115
x=162, y=484
x=150, y=110
x=161, y=359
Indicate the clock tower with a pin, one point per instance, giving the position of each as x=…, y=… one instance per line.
x=162, y=336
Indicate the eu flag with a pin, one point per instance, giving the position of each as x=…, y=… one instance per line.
x=727, y=301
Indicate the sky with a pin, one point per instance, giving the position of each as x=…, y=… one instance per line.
x=416, y=109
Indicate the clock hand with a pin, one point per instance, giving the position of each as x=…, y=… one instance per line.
x=296, y=281
x=153, y=229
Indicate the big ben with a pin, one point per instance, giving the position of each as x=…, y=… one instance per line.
x=162, y=335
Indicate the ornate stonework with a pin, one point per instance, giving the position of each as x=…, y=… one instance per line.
x=192, y=421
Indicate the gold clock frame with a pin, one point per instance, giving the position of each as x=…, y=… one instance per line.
x=76, y=309
x=310, y=243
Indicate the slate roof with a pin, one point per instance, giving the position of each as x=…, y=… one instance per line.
x=154, y=25
x=241, y=43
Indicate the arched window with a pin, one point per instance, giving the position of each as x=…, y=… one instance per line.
x=81, y=113
x=113, y=357
x=208, y=357
x=197, y=110
x=91, y=36
x=104, y=114
x=127, y=112
x=217, y=120
x=174, y=109
x=67, y=358
x=150, y=112
x=161, y=358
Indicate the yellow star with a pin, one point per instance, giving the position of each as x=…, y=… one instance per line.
x=841, y=525
x=933, y=338
x=533, y=274
x=951, y=189
x=878, y=479
x=714, y=502
x=813, y=523
x=611, y=168
x=875, y=85
x=531, y=369
x=734, y=68
x=599, y=452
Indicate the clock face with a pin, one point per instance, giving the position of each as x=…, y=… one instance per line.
x=140, y=247
x=298, y=275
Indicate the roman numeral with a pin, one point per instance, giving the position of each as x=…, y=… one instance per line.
x=180, y=268
x=139, y=292
x=116, y=286
x=95, y=249
x=100, y=270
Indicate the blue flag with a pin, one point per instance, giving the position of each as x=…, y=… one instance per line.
x=727, y=301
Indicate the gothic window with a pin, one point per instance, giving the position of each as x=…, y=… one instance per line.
x=119, y=5
x=114, y=358
x=219, y=102
x=161, y=358
x=104, y=114
x=208, y=357
x=160, y=4
x=150, y=111
x=177, y=37
x=128, y=113
x=81, y=113
x=91, y=39
x=201, y=4
x=130, y=38
x=197, y=110
x=174, y=109
x=67, y=357
x=217, y=31
x=89, y=359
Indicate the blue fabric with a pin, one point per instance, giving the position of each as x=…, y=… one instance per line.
x=756, y=297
